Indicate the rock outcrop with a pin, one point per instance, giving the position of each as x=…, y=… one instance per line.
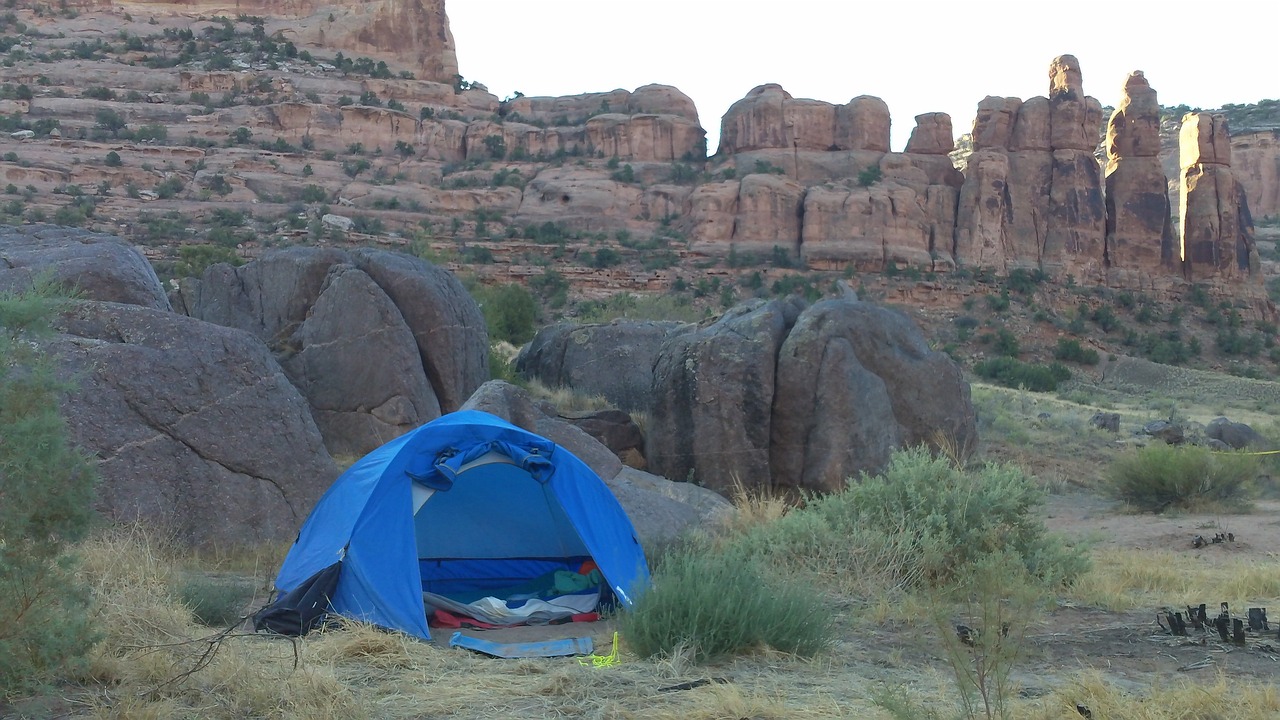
x=769, y=118
x=817, y=181
x=1141, y=247
x=1217, y=229
x=792, y=398
x=415, y=32
x=1033, y=197
x=1255, y=158
x=194, y=427
x=421, y=346
x=614, y=360
x=96, y=267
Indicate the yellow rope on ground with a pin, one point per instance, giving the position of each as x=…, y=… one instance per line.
x=609, y=660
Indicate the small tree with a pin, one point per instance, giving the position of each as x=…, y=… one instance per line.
x=110, y=120
x=46, y=488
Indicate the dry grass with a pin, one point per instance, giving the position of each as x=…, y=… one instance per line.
x=1125, y=580
x=565, y=398
x=755, y=507
x=1221, y=698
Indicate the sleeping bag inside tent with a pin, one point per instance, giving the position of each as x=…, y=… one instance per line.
x=467, y=515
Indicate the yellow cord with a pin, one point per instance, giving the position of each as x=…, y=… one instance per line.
x=609, y=660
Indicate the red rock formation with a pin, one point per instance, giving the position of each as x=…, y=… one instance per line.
x=407, y=32
x=1041, y=207
x=1217, y=230
x=932, y=135
x=576, y=109
x=769, y=118
x=1256, y=156
x=1140, y=241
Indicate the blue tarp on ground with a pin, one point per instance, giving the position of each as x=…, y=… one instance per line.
x=537, y=503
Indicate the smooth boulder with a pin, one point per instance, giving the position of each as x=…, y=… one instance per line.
x=378, y=342
x=94, y=265
x=614, y=360
x=195, y=428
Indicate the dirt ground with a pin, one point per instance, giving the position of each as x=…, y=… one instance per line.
x=1131, y=646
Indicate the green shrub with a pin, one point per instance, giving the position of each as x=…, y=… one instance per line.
x=1162, y=476
x=1014, y=373
x=213, y=602
x=46, y=490
x=193, y=259
x=951, y=518
x=1072, y=351
x=113, y=159
x=870, y=176
x=509, y=312
x=719, y=602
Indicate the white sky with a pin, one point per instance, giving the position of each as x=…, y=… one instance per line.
x=922, y=56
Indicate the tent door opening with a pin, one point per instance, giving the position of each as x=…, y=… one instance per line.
x=498, y=547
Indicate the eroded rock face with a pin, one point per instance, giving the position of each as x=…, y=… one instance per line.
x=871, y=228
x=713, y=393
x=1041, y=206
x=1217, y=229
x=354, y=334
x=1256, y=156
x=195, y=428
x=421, y=347
x=414, y=32
x=932, y=135
x=769, y=118
x=1140, y=239
x=98, y=267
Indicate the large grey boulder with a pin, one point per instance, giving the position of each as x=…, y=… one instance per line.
x=776, y=395
x=378, y=342
x=929, y=394
x=445, y=321
x=614, y=360
x=832, y=417
x=97, y=266
x=195, y=428
x=660, y=510
x=713, y=391
x=1237, y=435
x=359, y=366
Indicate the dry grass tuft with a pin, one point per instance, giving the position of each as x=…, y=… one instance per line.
x=756, y=507
x=364, y=643
x=1124, y=580
x=566, y=399
x=1221, y=698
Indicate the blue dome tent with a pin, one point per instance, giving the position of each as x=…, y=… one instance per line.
x=465, y=506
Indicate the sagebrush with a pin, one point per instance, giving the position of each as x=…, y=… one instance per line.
x=1159, y=477
x=717, y=601
x=922, y=521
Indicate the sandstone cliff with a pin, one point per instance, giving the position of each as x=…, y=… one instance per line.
x=408, y=32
